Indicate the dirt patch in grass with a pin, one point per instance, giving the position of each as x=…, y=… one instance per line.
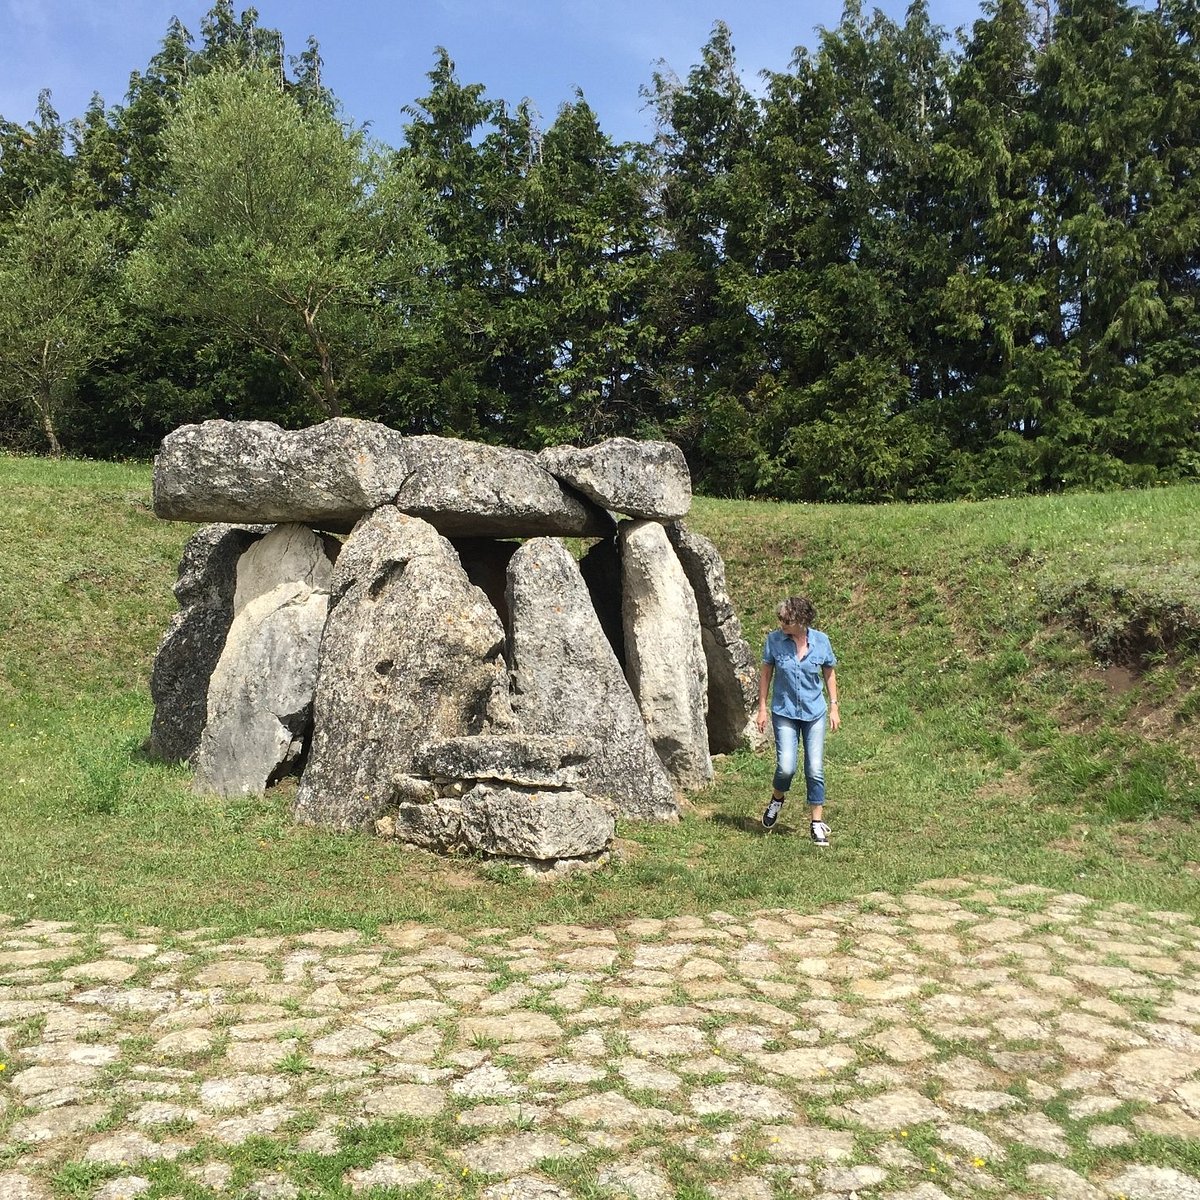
x=1119, y=678
x=627, y=850
x=1012, y=785
x=1072, y=846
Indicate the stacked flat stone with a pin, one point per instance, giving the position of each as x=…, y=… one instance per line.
x=449, y=674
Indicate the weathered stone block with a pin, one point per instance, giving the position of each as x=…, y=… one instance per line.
x=732, y=668
x=640, y=479
x=327, y=475
x=567, y=681
x=261, y=692
x=663, y=656
x=536, y=761
x=467, y=489
x=192, y=645
x=511, y=822
x=412, y=652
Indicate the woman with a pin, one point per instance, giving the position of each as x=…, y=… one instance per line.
x=801, y=662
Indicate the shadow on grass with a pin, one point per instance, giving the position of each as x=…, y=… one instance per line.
x=744, y=824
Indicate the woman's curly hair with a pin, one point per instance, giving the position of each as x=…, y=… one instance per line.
x=797, y=610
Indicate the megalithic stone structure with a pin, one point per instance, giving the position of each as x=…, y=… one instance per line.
x=472, y=693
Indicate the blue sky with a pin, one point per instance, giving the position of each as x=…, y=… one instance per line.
x=377, y=52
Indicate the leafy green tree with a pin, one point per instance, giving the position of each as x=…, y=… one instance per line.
x=284, y=232
x=56, y=305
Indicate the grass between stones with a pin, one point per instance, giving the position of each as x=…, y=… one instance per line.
x=1019, y=687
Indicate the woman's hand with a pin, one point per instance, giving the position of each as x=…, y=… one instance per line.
x=762, y=719
x=835, y=717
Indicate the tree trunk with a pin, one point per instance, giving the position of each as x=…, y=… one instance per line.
x=47, y=415
x=333, y=402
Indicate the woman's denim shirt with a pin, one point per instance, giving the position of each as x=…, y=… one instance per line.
x=797, y=691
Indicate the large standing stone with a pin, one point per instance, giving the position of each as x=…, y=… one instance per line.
x=468, y=489
x=663, y=657
x=261, y=692
x=412, y=652
x=510, y=821
x=640, y=479
x=567, y=681
x=327, y=475
x=732, y=670
x=192, y=645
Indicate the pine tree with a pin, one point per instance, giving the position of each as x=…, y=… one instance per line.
x=584, y=242
x=847, y=253
x=987, y=310
x=32, y=158
x=707, y=358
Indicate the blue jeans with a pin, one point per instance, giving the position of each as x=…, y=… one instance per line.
x=788, y=735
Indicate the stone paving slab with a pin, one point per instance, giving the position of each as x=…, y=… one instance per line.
x=970, y=1038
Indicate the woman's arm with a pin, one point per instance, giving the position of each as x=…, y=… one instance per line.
x=835, y=717
x=764, y=690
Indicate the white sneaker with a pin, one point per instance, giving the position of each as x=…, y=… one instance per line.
x=820, y=833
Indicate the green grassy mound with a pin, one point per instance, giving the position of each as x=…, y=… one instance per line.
x=1020, y=697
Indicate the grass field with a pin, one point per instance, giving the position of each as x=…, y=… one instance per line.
x=1020, y=697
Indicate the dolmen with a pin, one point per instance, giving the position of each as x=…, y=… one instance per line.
x=399, y=622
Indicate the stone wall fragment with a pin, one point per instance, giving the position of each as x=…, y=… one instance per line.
x=639, y=479
x=192, y=645
x=664, y=659
x=732, y=667
x=529, y=759
x=327, y=475
x=261, y=691
x=412, y=652
x=567, y=681
x=511, y=822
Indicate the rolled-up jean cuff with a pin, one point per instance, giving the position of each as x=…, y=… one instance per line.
x=789, y=734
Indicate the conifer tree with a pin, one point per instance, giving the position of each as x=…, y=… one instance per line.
x=699, y=307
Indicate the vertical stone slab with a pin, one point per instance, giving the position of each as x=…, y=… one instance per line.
x=567, y=681
x=412, y=652
x=192, y=645
x=663, y=657
x=261, y=691
x=732, y=669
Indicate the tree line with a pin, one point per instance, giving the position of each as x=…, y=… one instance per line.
x=902, y=268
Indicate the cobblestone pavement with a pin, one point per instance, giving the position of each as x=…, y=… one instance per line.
x=968, y=1038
